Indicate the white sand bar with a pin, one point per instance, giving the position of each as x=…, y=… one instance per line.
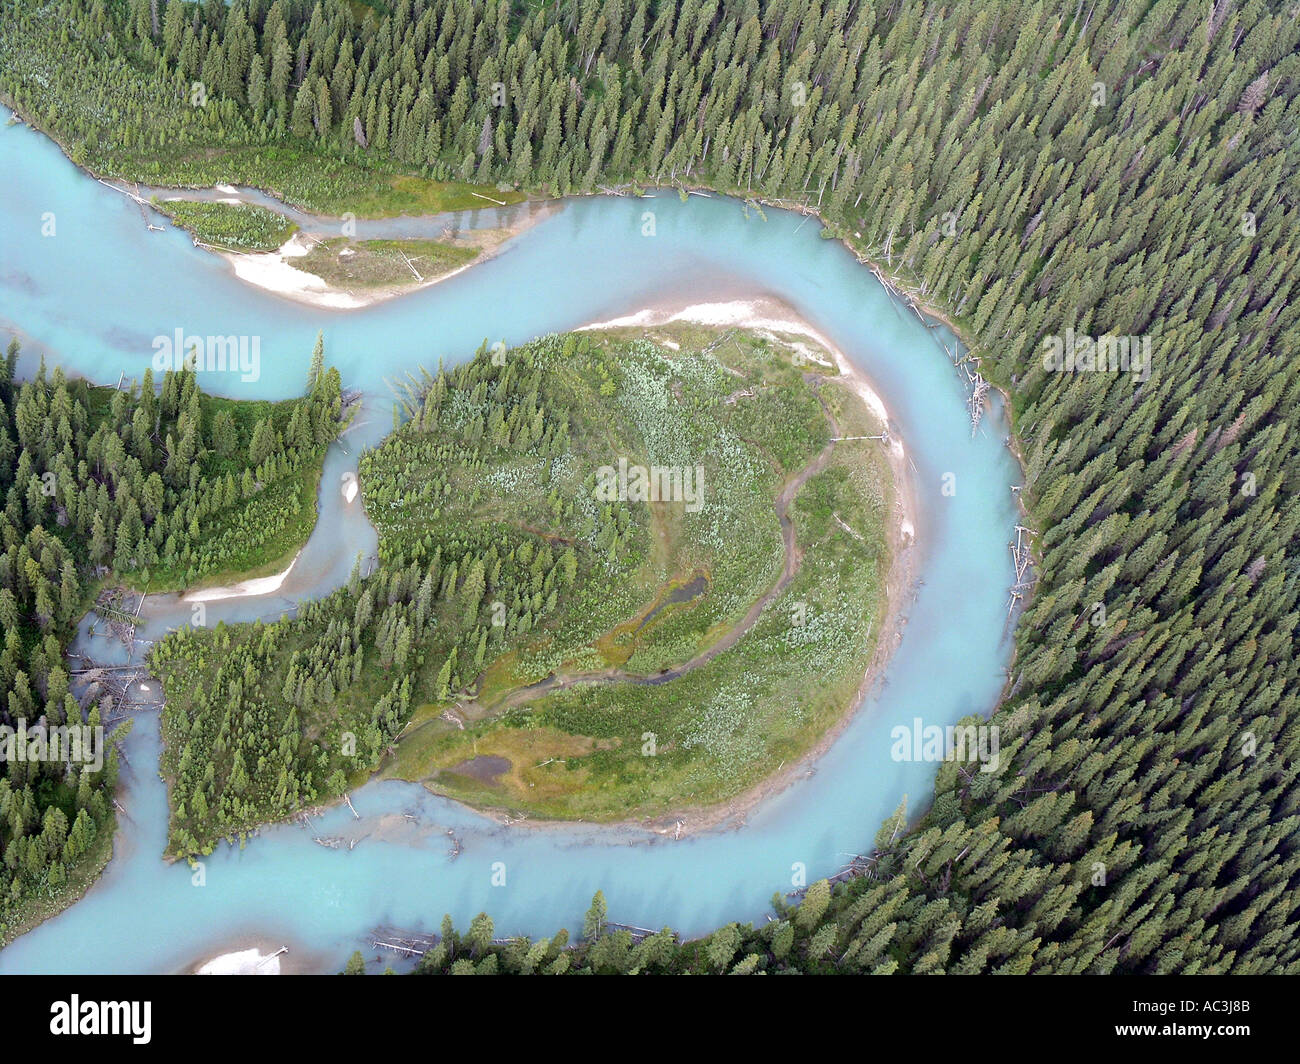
x=265, y=585
x=243, y=962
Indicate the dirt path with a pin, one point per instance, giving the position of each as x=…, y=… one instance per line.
x=793, y=559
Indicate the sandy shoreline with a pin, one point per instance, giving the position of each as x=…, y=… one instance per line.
x=271, y=272
x=771, y=316
x=264, y=585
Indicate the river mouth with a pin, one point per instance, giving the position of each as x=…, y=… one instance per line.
x=587, y=262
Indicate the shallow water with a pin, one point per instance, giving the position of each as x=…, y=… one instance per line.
x=94, y=296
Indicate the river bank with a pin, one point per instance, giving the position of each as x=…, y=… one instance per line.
x=264, y=585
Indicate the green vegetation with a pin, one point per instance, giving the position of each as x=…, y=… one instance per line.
x=1022, y=166
x=675, y=584
x=230, y=226
x=382, y=263
x=502, y=562
x=154, y=488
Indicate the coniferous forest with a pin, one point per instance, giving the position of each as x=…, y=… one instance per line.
x=146, y=489
x=1019, y=167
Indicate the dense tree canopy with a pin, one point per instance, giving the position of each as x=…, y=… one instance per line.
x=143, y=485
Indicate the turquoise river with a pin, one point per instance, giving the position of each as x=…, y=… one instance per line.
x=93, y=296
